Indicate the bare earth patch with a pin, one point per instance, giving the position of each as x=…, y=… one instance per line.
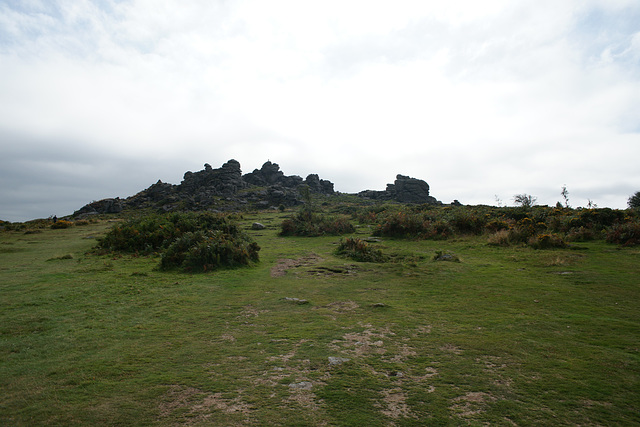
x=365, y=342
x=471, y=403
x=197, y=406
x=285, y=264
x=395, y=399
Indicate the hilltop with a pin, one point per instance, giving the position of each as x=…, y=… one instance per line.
x=227, y=189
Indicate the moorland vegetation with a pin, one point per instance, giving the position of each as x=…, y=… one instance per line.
x=340, y=312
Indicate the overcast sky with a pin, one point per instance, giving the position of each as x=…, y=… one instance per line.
x=481, y=99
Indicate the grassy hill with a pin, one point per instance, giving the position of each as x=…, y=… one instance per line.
x=509, y=335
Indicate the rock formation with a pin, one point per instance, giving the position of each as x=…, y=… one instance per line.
x=104, y=206
x=405, y=190
x=224, y=188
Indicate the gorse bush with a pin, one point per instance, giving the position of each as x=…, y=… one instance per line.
x=187, y=241
x=311, y=224
x=61, y=223
x=359, y=250
x=153, y=233
x=547, y=241
x=209, y=250
x=411, y=225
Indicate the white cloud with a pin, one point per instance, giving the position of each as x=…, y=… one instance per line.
x=477, y=98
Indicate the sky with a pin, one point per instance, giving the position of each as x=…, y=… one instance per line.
x=483, y=100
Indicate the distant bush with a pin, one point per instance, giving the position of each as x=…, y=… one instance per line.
x=626, y=234
x=583, y=234
x=311, y=224
x=359, y=250
x=189, y=241
x=547, y=241
x=466, y=221
x=412, y=225
x=61, y=223
x=634, y=201
x=499, y=238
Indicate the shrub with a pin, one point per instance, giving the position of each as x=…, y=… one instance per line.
x=155, y=233
x=499, y=238
x=412, y=225
x=634, y=201
x=189, y=241
x=583, y=234
x=547, y=241
x=209, y=250
x=495, y=225
x=626, y=234
x=359, y=250
x=310, y=224
x=61, y=224
x=522, y=231
x=467, y=222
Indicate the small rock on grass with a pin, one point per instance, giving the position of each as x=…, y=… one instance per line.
x=337, y=360
x=295, y=300
x=303, y=385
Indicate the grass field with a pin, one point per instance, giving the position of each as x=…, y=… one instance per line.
x=507, y=336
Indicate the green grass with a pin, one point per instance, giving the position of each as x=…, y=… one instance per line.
x=509, y=335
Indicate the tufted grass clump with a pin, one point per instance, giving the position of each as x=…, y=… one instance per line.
x=359, y=250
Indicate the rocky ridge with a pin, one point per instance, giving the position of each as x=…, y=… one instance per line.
x=227, y=189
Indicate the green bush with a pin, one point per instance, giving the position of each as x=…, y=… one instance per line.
x=190, y=241
x=547, y=241
x=359, y=250
x=153, y=233
x=412, y=225
x=465, y=221
x=60, y=224
x=209, y=250
x=311, y=224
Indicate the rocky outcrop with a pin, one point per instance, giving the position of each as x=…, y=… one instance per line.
x=405, y=190
x=104, y=206
x=224, y=188
x=225, y=181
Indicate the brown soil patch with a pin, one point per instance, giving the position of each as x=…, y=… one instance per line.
x=395, y=399
x=471, y=403
x=365, y=342
x=196, y=405
x=285, y=264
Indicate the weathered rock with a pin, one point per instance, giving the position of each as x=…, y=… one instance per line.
x=104, y=206
x=405, y=190
x=337, y=360
x=257, y=226
x=295, y=300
